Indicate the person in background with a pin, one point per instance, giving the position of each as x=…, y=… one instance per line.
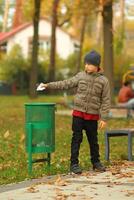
x=91, y=103
x=126, y=97
x=126, y=93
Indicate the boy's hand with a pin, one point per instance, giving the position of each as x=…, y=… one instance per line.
x=102, y=124
x=41, y=87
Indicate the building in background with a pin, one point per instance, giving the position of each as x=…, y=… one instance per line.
x=66, y=44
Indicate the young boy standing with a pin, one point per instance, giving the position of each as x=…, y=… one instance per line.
x=91, y=103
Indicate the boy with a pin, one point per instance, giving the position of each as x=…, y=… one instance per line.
x=91, y=103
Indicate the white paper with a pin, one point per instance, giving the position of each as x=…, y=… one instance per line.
x=40, y=87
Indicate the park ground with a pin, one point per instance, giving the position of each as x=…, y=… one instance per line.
x=13, y=156
x=116, y=183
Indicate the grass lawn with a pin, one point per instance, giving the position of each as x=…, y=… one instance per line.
x=13, y=158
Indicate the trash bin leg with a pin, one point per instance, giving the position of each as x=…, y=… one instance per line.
x=30, y=149
x=106, y=147
x=129, y=146
x=49, y=159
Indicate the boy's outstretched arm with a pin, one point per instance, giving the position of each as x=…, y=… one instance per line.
x=65, y=84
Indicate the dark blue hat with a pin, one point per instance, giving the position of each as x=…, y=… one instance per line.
x=93, y=57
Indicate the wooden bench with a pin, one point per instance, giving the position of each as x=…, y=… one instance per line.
x=128, y=110
x=118, y=133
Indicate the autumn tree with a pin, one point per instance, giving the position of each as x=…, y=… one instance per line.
x=34, y=62
x=82, y=15
x=51, y=75
x=82, y=11
x=108, y=42
x=18, y=18
x=120, y=30
x=5, y=18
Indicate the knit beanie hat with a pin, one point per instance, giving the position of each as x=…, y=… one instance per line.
x=93, y=58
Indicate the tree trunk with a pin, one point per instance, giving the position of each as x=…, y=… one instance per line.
x=122, y=10
x=84, y=20
x=18, y=15
x=99, y=27
x=108, y=43
x=34, y=63
x=5, y=15
x=51, y=76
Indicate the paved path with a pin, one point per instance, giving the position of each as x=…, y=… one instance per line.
x=117, y=183
x=115, y=113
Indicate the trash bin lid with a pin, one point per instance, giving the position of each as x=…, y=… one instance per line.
x=39, y=104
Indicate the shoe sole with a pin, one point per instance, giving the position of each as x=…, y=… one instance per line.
x=97, y=170
x=75, y=172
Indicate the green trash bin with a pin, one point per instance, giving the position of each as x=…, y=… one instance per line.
x=40, y=131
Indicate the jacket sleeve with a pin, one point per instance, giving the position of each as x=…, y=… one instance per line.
x=65, y=84
x=106, y=101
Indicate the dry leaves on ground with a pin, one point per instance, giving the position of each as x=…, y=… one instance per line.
x=61, y=196
x=60, y=182
x=125, y=175
x=117, y=169
x=32, y=189
x=128, y=192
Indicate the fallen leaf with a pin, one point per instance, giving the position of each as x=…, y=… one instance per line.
x=130, y=193
x=109, y=185
x=22, y=138
x=60, y=182
x=58, y=190
x=61, y=196
x=6, y=134
x=93, y=188
x=73, y=195
x=32, y=190
x=131, y=181
x=95, y=193
x=11, y=145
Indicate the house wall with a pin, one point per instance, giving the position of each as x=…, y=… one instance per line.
x=64, y=43
x=20, y=38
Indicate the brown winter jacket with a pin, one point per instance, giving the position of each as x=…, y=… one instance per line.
x=93, y=92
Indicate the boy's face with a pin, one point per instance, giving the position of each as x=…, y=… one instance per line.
x=90, y=68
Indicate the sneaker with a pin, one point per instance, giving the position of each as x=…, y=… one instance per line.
x=75, y=169
x=99, y=167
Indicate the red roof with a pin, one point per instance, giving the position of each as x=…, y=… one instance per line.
x=5, y=35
